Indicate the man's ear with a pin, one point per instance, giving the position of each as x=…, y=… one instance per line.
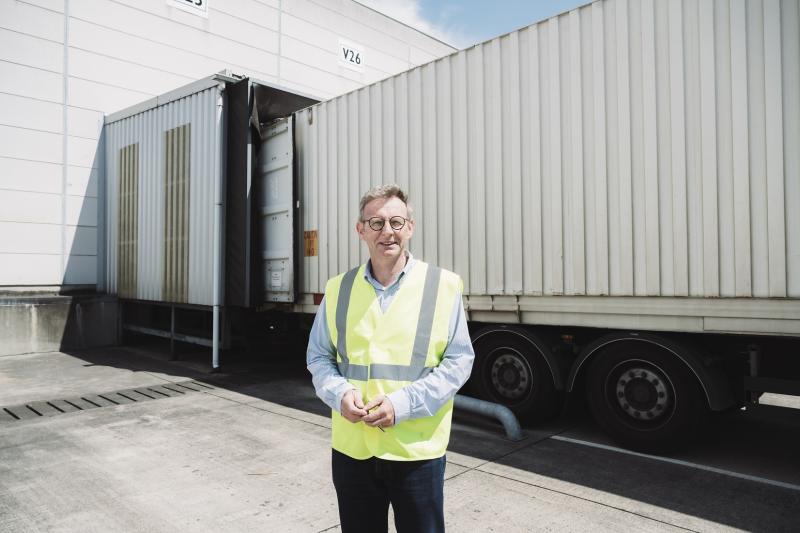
x=360, y=230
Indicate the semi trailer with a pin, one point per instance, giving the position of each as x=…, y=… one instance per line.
x=618, y=187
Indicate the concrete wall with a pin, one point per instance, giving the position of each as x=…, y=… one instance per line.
x=48, y=323
x=64, y=64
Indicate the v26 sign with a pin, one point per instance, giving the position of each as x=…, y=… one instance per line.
x=351, y=55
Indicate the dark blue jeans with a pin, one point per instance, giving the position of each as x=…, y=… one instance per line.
x=365, y=489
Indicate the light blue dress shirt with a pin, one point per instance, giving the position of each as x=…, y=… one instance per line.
x=421, y=398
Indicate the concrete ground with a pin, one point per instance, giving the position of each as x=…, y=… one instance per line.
x=145, y=444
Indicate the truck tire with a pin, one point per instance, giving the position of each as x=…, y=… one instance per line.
x=644, y=397
x=510, y=370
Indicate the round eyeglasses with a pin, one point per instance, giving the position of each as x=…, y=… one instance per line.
x=395, y=222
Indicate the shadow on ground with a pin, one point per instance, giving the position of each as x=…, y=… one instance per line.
x=277, y=375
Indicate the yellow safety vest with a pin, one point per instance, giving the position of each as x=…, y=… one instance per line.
x=381, y=353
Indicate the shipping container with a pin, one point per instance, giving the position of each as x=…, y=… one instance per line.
x=618, y=186
x=608, y=167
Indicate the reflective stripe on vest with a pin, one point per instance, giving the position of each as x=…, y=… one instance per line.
x=416, y=369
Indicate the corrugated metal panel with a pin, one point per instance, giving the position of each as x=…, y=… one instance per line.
x=176, y=175
x=176, y=207
x=128, y=216
x=790, y=57
x=627, y=148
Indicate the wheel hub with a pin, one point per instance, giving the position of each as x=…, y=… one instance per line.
x=511, y=376
x=643, y=393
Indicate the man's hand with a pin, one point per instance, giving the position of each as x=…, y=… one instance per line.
x=383, y=415
x=352, y=407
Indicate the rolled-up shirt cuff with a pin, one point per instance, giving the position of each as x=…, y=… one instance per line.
x=339, y=393
x=401, y=405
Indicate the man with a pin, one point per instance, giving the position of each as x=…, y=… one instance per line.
x=388, y=351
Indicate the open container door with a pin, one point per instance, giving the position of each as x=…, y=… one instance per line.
x=276, y=210
x=260, y=235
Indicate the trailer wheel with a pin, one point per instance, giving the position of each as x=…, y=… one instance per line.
x=511, y=370
x=644, y=397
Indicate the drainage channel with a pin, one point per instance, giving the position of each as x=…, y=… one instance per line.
x=46, y=408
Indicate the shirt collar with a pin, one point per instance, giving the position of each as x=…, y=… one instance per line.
x=374, y=282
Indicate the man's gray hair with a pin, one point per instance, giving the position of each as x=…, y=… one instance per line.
x=391, y=190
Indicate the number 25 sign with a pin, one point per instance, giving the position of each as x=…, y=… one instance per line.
x=196, y=7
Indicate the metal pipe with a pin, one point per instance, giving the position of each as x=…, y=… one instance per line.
x=172, y=333
x=754, y=352
x=494, y=410
x=218, y=229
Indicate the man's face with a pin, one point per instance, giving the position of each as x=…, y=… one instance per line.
x=386, y=243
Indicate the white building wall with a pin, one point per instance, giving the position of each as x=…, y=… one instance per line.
x=53, y=95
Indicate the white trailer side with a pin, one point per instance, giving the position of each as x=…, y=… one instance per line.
x=626, y=164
